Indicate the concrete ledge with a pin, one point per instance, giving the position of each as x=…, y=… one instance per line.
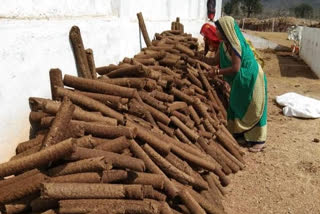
x=260, y=43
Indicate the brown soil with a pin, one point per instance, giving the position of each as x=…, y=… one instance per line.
x=285, y=177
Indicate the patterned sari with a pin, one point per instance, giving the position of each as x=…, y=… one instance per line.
x=247, y=111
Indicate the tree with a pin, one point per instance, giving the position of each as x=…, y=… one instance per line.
x=303, y=10
x=251, y=7
x=281, y=12
x=231, y=7
x=227, y=8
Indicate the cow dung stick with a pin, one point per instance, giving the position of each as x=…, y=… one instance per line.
x=105, y=98
x=18, y=190
x=189, y=132
x=79, y=52
x=151, y=166
x=152, y=101
x=180, y=164
x=179, y=134
x=183, y=118
x=36, y=116
x=143, y=29
x=158, y=115
x=169, y=131
x=214, y=154
x=86, y=165
x=227, y=143
x=172, y=170
x=155, y=180
x=91, y=63
x=38, y=159
x=90, y=104
x=114, y=175
x=41, y=205
x=190, y=202
x=150, y=193
x=55, y=81
x=20, y=205
x=100, y=206
x=132, y=82
x=162, y=96
x=221, y=152
x=150, y=138
x=195, y=80
x=115, y=145
x=117, y=160
x=107, y=69
x=128, y=71
x=177, y=105
x=90, y=191
x=51, y=211
x=241, y=165
x=79, y=114
x=24, y=146
x=214, y=183
x=85, y=177
x=98, y=86
x=60, y=123
x=182, y=96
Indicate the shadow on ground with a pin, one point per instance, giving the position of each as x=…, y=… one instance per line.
x=293, y=66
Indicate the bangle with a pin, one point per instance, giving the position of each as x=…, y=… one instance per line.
x=217, y=71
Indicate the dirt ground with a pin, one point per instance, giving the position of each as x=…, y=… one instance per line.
x=285, y=177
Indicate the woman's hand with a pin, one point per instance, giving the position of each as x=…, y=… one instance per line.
x=199, y=55
x=213, y=72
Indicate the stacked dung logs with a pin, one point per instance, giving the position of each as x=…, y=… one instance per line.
x=177, y=25
x=146, y=136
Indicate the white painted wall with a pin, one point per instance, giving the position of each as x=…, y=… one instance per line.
x=34, y=38
x=260, y=43
x=310, y=48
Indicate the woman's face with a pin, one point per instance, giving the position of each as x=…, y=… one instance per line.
x=213, y=47
x=219, y=35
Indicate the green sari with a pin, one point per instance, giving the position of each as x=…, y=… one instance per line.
x=247, y=111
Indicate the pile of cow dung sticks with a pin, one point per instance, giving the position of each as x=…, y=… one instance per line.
x=146, y=136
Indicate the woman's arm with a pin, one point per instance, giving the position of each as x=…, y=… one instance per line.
x=235, y=68
x=206, y=48
x=212, y=60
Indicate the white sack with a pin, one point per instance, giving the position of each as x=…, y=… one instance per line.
x=297, y=105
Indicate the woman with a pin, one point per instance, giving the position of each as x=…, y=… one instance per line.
x=247, y=111
x=211, y=9
x=210, y=38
